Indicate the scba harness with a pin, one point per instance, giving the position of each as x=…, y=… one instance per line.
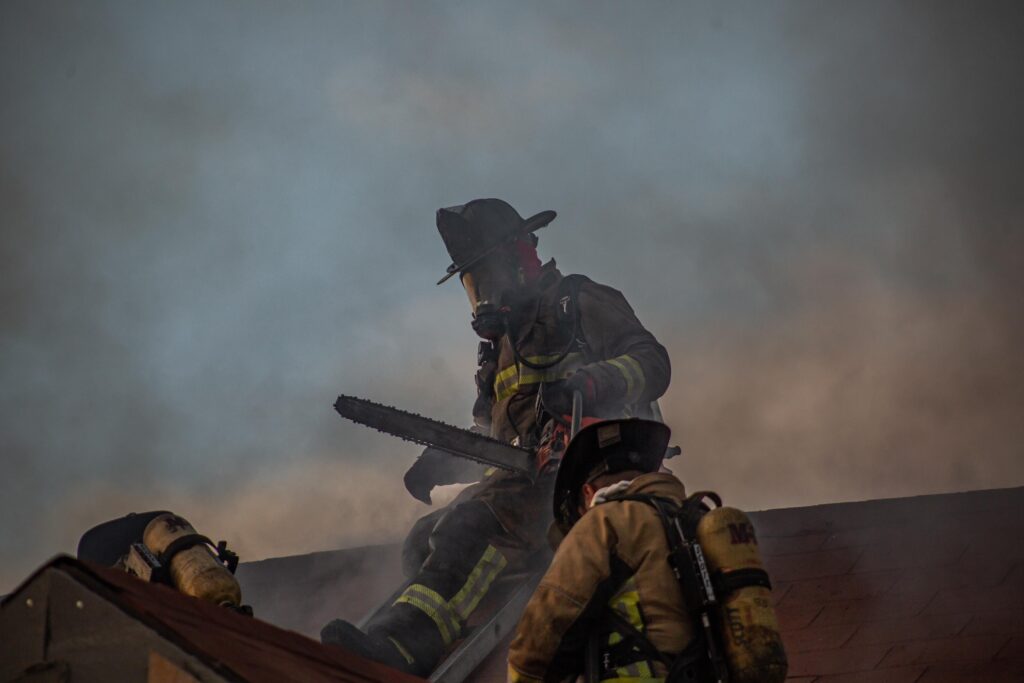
x=737, y=637
x=493, y=383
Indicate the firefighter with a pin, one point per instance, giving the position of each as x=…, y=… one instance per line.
x=545, y=336
x=611, y=567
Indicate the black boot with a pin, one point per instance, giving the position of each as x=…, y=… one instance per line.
x=375, y=646
x=413, y=633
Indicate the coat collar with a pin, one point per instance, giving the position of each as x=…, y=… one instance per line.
x=526, y=319
x=661, y=484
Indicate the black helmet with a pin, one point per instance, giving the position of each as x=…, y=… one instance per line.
x=473, y=230
x=106, y=543
x=603, y=447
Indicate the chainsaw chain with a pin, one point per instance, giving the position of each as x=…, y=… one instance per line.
x=424, y=442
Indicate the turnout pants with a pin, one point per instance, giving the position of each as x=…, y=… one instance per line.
x=453, y=557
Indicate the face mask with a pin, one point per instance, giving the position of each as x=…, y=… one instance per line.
x=490, y=287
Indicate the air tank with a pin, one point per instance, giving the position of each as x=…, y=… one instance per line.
x=753, y=647
x=195, y=570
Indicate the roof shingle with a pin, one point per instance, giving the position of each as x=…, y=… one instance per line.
x=913, y=590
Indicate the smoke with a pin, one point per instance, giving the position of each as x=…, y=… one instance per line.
x=289, y=511
x=901, y=394
x=215, y=218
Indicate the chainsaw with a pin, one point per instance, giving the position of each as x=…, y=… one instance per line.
x=463, y=442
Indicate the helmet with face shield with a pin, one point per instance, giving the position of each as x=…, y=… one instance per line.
x=492, y=249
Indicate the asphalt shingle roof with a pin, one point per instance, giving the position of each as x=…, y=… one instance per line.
x=925, y=589
x=912, y=590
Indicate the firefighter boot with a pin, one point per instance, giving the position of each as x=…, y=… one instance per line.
x=429, y=615
x=375, y=646
x=413, y=633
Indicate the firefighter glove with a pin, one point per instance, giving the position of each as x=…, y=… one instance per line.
x=435, y=467
x=557, y=397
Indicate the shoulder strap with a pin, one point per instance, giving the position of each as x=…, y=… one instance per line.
x=182, y=543
x=630, y=633
x=694, y=508
x=638, y=638
x=568, y=309
x=698, y=656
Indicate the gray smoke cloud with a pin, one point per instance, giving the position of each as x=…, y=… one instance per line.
x=215, y=217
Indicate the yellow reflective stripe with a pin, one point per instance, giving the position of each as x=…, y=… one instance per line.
x=641, y=379
x=630, y=610
x=508, y=381
x=627, y=603
x=448, y=616
x=637, y=670
x=633, y=374
x=402, y=651
x=633, y=679
x=626, y=374
x=434, y=606
x=480, y=579
x=516, y=677
x=628, y=671
x=507, y=374
x=431, y=612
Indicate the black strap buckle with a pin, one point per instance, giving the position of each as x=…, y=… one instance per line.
x=220, y=550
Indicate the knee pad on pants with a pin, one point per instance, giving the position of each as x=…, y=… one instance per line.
x=416, y=547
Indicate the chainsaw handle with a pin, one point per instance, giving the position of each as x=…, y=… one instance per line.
x=577, y=412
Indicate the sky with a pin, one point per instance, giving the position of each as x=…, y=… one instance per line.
x=217, y=216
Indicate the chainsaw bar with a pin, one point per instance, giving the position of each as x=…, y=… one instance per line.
x=429, y=432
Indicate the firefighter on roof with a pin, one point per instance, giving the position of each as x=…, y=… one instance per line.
x=613, y=558
x=622, y=600
x=544, y=333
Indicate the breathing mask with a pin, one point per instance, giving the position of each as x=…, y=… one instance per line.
x=491, y=287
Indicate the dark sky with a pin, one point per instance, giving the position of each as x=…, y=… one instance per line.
x=216, y=216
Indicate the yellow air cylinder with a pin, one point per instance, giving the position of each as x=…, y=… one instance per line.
x=750, y=631
x=194, y=571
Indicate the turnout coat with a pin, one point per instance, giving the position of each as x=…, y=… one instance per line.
x=628, y=367
x=614, y=558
